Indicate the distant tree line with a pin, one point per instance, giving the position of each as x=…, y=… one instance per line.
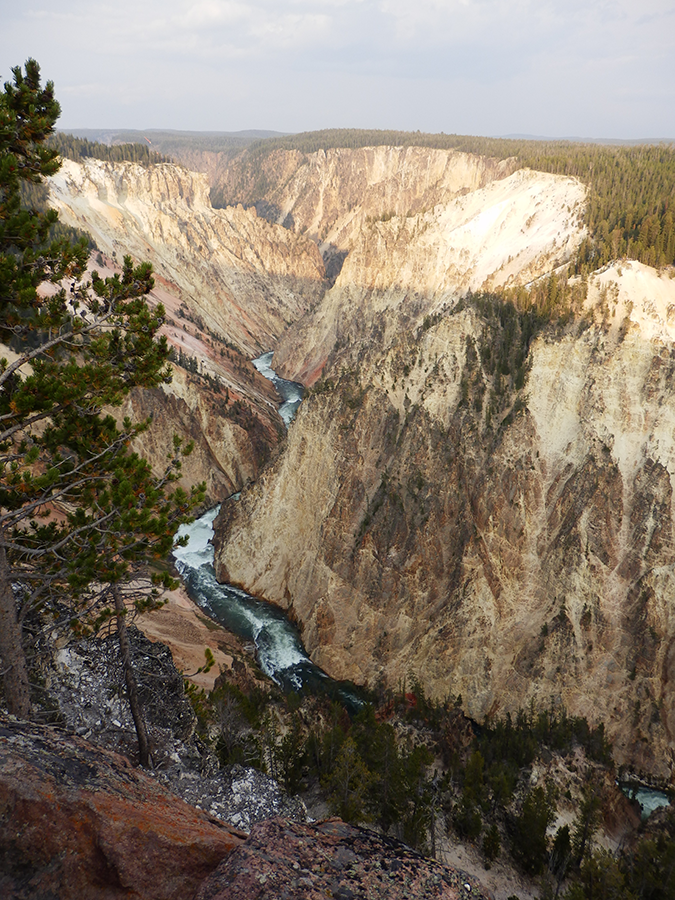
x=75, y=148
x=631, y=208
x=631, y=205
x=175, y=142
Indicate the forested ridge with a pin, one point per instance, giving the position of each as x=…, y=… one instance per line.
x=631, y=206
x=77, y=149
x=423, y=772
x=354, y=138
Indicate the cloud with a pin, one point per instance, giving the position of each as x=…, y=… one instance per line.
x=298, y=64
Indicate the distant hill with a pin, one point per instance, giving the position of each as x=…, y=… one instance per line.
x=170, y=143
x=637, y=142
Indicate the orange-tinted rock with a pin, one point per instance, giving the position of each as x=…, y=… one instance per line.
x=79, y=822
x=284, y=860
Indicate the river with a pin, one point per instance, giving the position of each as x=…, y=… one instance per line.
x=278, y=646
x=649, y=798
x=291, y=392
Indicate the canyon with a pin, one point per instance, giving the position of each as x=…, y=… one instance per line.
x=249, y=278
x=230, y=283
x=429, y=516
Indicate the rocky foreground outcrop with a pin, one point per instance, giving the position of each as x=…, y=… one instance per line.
x=284, y=860
x=81, y=823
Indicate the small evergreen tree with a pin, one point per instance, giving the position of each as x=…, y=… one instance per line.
x=492, y=844
x=80, y=513
x=561, y=856
x=348, y=783
x=586, y=822
x=530, y=842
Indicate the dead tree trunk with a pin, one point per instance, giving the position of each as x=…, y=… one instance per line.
x=130, y=680
x=14, y=669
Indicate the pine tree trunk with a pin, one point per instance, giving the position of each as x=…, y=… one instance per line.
x=15, y=672
x=130, y=679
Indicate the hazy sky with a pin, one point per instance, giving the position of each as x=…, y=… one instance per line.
x=591, y=68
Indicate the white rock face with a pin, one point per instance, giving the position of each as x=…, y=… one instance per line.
x=333, y=193
x=511, y=230
x=451, y=222
x=609, y=385
x=245, y=279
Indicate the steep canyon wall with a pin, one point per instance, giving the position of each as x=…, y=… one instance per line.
x=531, y=558
x=463, y=497
x=505, y=545
x=247, y=279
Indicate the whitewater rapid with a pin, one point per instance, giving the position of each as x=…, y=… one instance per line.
x=279, y=650
x=278, y=647
x=291, y=392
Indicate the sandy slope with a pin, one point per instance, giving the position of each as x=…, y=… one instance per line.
x=187, y=631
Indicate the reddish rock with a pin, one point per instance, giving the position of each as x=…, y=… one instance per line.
x=80, y=822
x=284, y=860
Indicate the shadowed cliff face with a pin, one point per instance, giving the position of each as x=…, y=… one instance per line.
x=414, y=227
x=402, y=231
x=243, y=277
x=417, y=228
x=505, y=548
x=230, y=284
x=232, y=442
x=330, y=193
